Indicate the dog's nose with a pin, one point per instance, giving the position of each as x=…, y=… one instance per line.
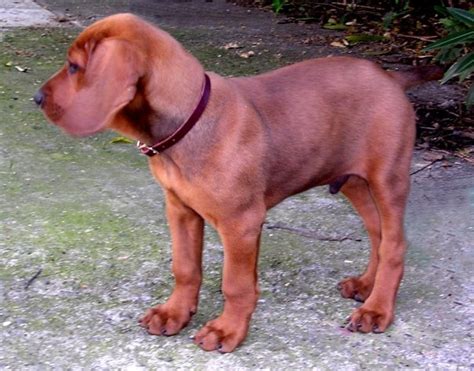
x=39, y=97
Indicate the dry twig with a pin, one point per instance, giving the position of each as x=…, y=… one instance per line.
x=32, y=279
x=310, y=234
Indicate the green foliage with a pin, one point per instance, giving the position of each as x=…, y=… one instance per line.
x=401, y=4
x=456, y=46
x=278, y=5
x=453, y=39
x=462, y=68
x=390, y=17
x=335, y=26
x=364, y=38
x=462, y=16
x=120, y=139
x=398, y=9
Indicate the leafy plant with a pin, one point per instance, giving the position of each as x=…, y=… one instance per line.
x=399, y=9
x=456, y=46
x=278, y=5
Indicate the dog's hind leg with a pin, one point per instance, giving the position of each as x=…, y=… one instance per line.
x=389, y=188
x=357, y=191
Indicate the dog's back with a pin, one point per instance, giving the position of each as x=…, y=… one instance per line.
x=308, y=107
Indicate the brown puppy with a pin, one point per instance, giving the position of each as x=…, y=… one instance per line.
x=338, y=121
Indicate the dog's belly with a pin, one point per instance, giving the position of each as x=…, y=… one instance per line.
x=284, y=183
x=305, y=160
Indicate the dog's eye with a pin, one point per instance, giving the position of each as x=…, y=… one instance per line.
x=72, y=68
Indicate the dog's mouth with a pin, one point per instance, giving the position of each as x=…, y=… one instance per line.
x=55, y=114
x=77, y=131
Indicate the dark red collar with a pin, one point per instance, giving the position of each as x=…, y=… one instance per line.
x=183, y=129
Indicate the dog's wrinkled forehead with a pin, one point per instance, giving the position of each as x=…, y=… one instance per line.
x=85, y=44
x=122, y=26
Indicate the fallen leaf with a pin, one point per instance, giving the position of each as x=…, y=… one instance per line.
x=247, y=55
x=335, y=27
x=232, y=45
x=338, y=44
x=363, y=38
x=21, y=69
x=120, y=140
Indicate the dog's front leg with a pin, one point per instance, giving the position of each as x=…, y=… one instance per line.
x=187, y=229
x=241, y=239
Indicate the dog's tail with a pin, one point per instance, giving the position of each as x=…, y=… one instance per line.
x=417, y=75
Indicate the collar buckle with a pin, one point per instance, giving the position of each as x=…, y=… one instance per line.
x=146, y=150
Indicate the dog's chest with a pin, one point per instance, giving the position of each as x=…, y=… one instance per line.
x=171, y=179
x=194, y=193
x=166, y=173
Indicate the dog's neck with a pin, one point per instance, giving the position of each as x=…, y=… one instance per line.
x=184, y=128
x=167, y=94
x=171, y=117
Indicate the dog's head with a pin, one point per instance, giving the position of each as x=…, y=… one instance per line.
x=99, y=78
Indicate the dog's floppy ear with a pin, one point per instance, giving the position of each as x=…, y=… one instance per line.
x=107, y=84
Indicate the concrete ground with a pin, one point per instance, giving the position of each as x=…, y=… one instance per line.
x=82, y=259
x=23, y=14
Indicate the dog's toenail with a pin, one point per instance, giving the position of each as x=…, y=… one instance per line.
x=376, y=330
x=358, y=298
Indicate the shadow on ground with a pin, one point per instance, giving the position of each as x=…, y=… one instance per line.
x=84, y=250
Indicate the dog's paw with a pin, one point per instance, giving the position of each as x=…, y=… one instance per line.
x=165, y=319
x=370, y=319
x=221, y=335
x=355, y=288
